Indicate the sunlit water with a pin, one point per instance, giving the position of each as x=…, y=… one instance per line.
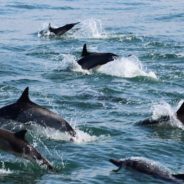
x=103, y=104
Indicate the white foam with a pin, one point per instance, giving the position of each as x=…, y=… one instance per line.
x=44, y=30
x=164, y=109
x=83, y=137
x=69, y=62
x=126, y=67
x=4, y=171
x=50, y=133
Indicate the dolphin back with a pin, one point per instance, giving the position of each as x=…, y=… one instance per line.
x=93, y=60
x=61, y=30
x=46, y=118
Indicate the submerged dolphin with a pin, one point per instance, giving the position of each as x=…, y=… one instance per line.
x=24, y=110
x=61, y=30
x=91, y=60
x=150, y=121
x=17, y=144
x=148, y=167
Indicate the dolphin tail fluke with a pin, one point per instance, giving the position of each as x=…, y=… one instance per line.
x=117, y=163
x=84, y=50
x=179, y=176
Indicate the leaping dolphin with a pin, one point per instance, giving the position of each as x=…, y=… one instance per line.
x=24, y=110
x=91, y=60
x=17, y=144
x=61, y=30
x=150, y=121
x=148, y=167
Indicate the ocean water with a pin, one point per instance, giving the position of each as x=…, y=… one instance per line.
x=103, y=105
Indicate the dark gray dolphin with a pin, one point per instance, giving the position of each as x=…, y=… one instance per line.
x=91, y=60
x=24, y=110
x=148, y=167
x=16, y=143
x=150, y=121
x=61, y=30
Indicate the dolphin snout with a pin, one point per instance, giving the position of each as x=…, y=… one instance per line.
x=118, y=163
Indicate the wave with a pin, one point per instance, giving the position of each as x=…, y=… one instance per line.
x=129, y=67
x=164, y=56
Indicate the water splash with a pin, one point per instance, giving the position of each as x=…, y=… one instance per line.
x=83, y=137
x=164, y=109
x=5, y=171
x=122, y=67
x=50, y=133
x=90, y=28
x=70, y=62
x=45, y=31
x=126, y=67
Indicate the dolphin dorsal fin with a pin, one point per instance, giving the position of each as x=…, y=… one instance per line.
x=20, y=134
x=84, y=51
x=25, y=96
x=180, y=110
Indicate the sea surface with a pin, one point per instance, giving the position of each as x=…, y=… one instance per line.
x=103, y=105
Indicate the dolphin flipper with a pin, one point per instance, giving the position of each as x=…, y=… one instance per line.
x=118, y=163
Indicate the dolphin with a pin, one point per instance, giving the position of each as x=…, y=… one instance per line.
x=147, y=166
x=150, y=121
x=91, y=60
x=24, y=110
x=61, y=30
x=18, y=145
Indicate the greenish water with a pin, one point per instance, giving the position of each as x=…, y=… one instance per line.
x=103, y=105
